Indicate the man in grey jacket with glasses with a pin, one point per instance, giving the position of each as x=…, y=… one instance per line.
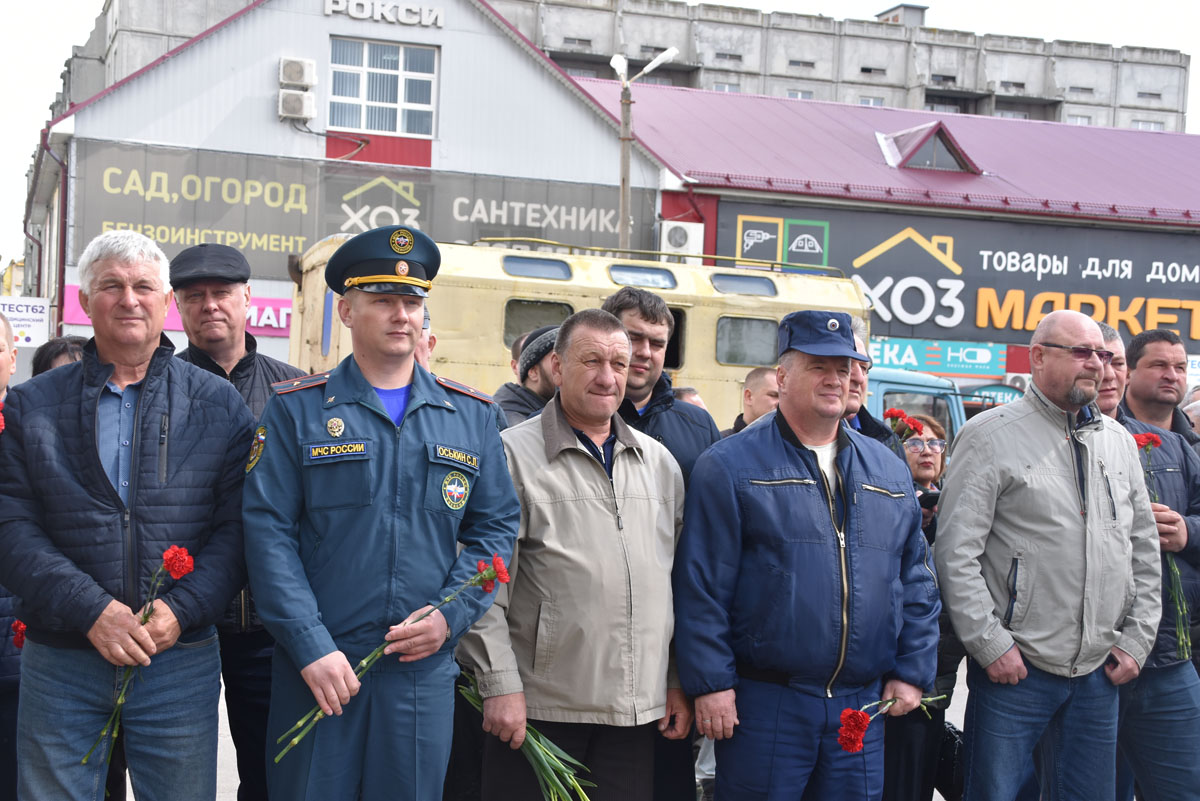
x=1048, y=557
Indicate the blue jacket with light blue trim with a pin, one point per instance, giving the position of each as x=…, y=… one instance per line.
x=351, y=527
x=759, y=570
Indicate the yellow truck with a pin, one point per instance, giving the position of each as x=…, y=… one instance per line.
x=486, y=295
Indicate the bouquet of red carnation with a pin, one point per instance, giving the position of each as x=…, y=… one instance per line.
x=486, y=577
x=903, y=425
x=18, y=630
x=176, y=563
x=1183, y=638
x=856, y=721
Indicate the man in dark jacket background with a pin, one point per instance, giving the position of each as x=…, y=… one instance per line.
x=760, y=395
x=779, y=624
x=649, y=404
x=1158, y=723
x=213, y=296
x=1157, y=362
x=857, y=416
x=104, y=464
x=10, y=657
x=524, y=400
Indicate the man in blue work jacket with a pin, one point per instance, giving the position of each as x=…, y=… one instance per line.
x=803, y=585
x=361, y=486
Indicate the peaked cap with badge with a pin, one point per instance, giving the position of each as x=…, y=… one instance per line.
x=392, y=260
x=818, y=333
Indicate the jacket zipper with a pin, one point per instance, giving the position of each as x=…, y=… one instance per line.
x=1112, y=504
x=882, y=491
x=1012, y=591
x=781, y=482
x=628, y=570
x=163, y=430
x=1077, y=471
x=845, y=570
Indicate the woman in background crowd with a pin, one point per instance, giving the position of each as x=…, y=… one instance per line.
x=913, y=744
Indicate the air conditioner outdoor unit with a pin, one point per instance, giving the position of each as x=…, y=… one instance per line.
x=294, y=105
x=1018, y=380
x=686, y=238
x=299, y=73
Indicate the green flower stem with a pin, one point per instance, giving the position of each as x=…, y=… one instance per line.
x=884, y=706
x=1183, y=636
x=315, y=715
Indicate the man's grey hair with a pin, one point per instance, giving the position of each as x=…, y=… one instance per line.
x=859, y=327
x=1191, y=408
x=1108, y=333
x=7, y=329
x=124, y=247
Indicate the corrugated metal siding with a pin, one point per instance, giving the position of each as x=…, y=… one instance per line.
x=500, y=111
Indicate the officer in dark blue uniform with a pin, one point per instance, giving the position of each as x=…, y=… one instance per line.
x=362, y=486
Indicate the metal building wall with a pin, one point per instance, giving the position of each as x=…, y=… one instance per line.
x=500, y=111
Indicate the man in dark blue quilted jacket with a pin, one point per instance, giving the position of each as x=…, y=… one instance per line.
x=104, y=464
x=10, y=657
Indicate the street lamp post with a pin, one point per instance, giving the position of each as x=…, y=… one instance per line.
x=621, y=66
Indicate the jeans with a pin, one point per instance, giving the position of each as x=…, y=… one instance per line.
x=1159, y=735
x=169, y=723
x=1068, y=724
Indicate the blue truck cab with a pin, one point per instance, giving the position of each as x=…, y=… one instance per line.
x=916, y=393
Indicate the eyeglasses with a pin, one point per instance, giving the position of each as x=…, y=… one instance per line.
x=915, y=445
x=1081, y=353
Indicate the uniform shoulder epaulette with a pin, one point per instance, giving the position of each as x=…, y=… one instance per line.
x=293, y=384
x=464, y=389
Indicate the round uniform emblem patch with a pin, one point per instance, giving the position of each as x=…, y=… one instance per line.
x=401, y=241
x=335, y=426
x=455, y=488
x=256, y=447
x=832, y=325
x=401, y=268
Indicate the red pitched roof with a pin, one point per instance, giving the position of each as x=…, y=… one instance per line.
x=805, y=147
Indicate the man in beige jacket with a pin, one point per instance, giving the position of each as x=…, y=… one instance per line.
x=1047, y=553
x=579, y=643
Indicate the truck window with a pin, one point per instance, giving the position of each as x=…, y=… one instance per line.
x=675, y=354
x=647, y=277
x=748, y=341
x=534, y=267
x=521, y=316
x=744, y=284
x=934, y=406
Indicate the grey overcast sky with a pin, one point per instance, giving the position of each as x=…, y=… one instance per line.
x=36, y=38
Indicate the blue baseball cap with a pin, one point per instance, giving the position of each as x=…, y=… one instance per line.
x=392, y=260
x=818, y=333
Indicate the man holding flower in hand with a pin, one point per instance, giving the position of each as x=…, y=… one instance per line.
x=104, y=464
x=362, y=486
x=803, y=585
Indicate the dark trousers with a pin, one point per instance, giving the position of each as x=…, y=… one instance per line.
x=674, y=769
x=620, y=760
x=8, y=743
x=912, y=744
x=466, y=749
x=246, y=672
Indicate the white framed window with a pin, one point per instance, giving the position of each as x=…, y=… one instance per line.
x=1079, y=119
x=800, y=94
x=870, y=101
x=383, y=87
x=943, y=108
x=582, y=72
x=1011, y=114
x=726, y=87
x=1149, y=125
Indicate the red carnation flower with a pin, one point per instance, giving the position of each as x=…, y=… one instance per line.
x=851, y=742
x=178, y=562
x=855, y=720
x=1, y=417
x=501, y=571
x=18, y=629
x=916, y=425
x=481, y=567
x=1147, y=440
x=894, y=414
x=489, y=585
